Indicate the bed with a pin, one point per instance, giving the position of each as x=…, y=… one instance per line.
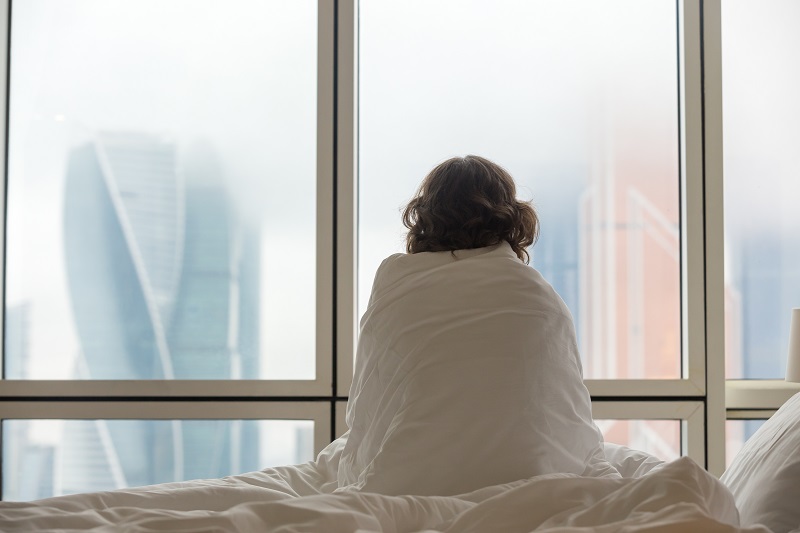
x=758, y=493
x=677, y=496
x=424, y=453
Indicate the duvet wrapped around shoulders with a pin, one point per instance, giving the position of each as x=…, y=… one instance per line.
x=467, y=375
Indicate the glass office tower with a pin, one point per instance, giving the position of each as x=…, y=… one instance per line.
x=163, y=282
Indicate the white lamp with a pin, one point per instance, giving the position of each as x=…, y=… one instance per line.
x=793, y=363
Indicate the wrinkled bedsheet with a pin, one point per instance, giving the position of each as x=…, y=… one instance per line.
x=679, y=496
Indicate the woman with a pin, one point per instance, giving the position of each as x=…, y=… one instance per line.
x=467, y=370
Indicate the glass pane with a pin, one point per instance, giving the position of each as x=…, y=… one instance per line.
x=152, y=150
x=579, y=101
x=736, y=434
x=661, y=438
x=761, y=111
x=43, y=458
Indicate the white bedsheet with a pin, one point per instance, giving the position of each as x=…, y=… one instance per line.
x=680, y=496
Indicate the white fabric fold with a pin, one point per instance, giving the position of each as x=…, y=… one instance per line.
x=678, y=497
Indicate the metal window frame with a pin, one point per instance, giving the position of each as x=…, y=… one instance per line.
x=5, y=38
x=199, y=388
x=714, y=234
x=638, y=388
x=317, y=412
x=693, y=288
x=347, y=193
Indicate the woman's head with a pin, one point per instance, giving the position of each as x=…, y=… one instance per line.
x=469, y=202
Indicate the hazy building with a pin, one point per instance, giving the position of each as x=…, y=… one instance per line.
x=766, y=269
x=30, y=474
x=163, y=283
x=17, y=339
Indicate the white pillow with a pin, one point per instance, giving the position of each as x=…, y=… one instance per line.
x=765, y=475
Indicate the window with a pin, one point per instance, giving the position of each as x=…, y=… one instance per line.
x=156, y=154
x=149, y=167
x=762, y=269
x=593, y=130
x=47, y=458
x=81, y=445
x=586, y=123
x=198, y=194
x=762, y=279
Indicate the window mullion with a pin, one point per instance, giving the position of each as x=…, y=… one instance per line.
x=160, y=388
x=676, y=388
x=325, y=194
x=692, y=246
x=347, y=190
x=714, y=231
x=4, y=40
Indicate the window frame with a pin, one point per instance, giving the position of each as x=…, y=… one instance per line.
x=317, y=412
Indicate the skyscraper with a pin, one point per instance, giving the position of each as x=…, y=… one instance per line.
x=163, y=285
x=32, y=466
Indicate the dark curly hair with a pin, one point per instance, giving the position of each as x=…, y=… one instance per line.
x=469, y=202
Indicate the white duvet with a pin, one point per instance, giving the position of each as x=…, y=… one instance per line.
x=679, y=497
x=467, y=413
x=467, y=375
